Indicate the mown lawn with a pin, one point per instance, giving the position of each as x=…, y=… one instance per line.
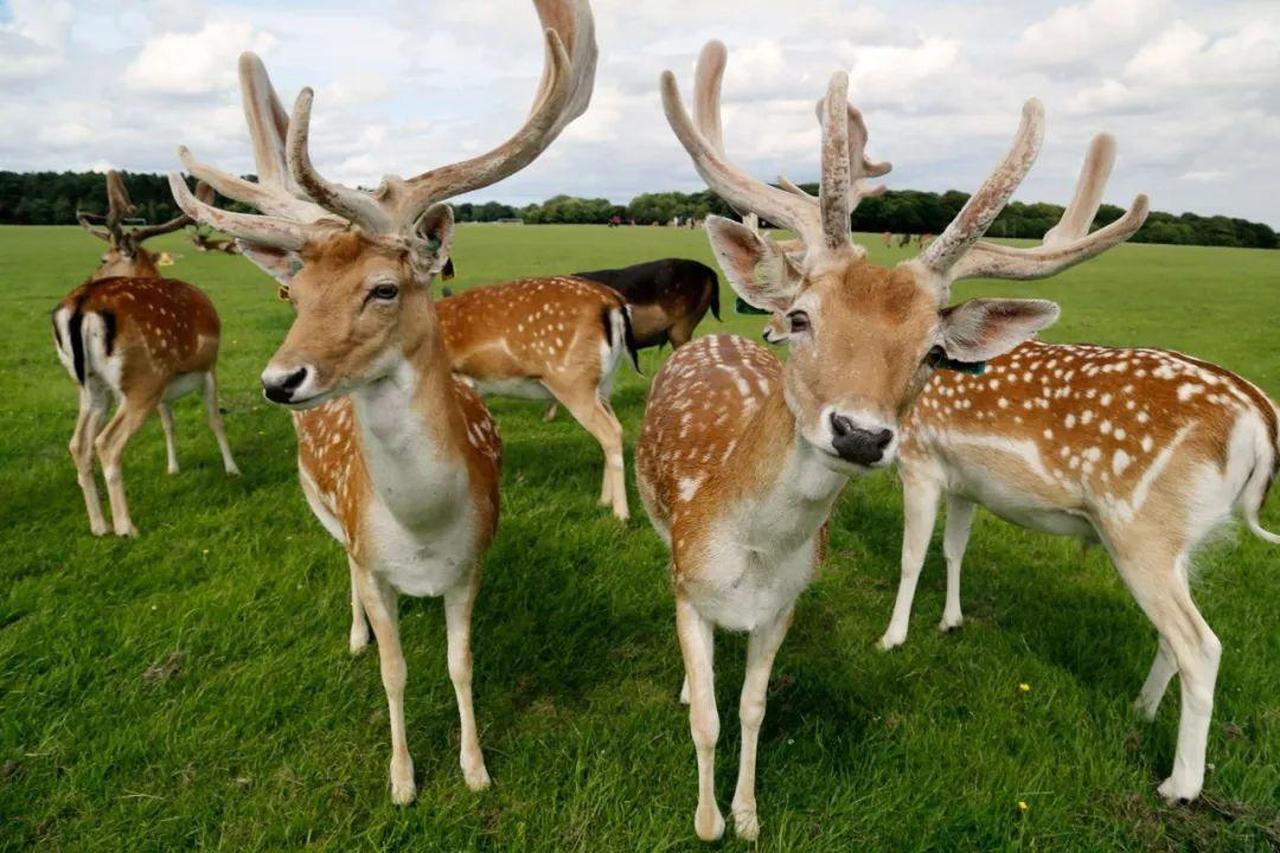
x=193, y=686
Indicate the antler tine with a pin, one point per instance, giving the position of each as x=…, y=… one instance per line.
x=89, y=222
x=837, y=180
x=1069, y=242
x=146, y=232
x=267, y=230
x=568, y=76
x=860, y=165
x=274, y=194
x=350, y=203
x=983, y=206
x=119, y=205
x=741, y=191
x=563, y=94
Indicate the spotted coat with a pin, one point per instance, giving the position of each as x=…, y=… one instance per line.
x=1088, y=428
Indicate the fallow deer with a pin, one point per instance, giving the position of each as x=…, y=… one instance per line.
x=146, y=340
x=668, y=298
x=560, y=339
x=1144, y=450
x=741, y=457
x=398, y=458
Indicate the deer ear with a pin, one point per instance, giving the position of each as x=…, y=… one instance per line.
x=757, y=268
x=280, y=264
x=432, y=238
x=981, y=329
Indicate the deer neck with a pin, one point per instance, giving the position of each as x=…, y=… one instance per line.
x=412, y=434
x=793, y=488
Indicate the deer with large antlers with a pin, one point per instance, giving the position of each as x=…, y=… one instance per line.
x=398, y=459
x=1144, y=450
x=741, y=457
x=128, y=333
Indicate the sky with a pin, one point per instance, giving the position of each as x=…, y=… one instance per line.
x=1190, y=89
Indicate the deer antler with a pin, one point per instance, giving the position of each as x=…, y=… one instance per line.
x=298, y=200
x=819, y=222
x=563, y=94
x=1069, y=242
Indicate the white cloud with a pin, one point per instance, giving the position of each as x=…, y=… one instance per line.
x=1077, y=33
x=194, y=63
x=1190, y=88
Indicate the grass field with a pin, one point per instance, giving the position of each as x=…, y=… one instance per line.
x=193, y=686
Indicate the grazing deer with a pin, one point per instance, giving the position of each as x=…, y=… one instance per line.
x=398, y=458
x=560, y=339
x=887, y=239
x=146, y=340
x=1144, y=450
x=741, y=457
x=668, y=298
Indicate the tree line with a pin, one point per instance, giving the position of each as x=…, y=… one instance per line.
x=52, y=198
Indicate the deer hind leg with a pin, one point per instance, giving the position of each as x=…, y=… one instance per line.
x=458, y=604
x=93, y=408
x=1159, y=584
x=550, y=414
x=955, y=539
x=170, y=448
x=1163, y=669
x=696, y=642
x=598, y=418
x=110, y=445
x=359, y=625
x=762, y=646
x=215, y=423
x=920, y=510
x=381, y=606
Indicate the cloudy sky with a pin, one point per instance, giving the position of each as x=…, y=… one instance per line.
x=1191, y=89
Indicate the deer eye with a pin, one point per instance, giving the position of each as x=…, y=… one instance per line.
x=384, y=292
x=798, y=321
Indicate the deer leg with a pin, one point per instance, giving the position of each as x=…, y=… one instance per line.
x=597, y=418
x=215, y=423
x=955, y=539
x=762, y=646
x=1159, y=584
x=359, y=625
x=381, y=606
x=110, y=445
x=1163, y=669
x=550, y=414
x=696, y=642
x=457, y=611
x=920, y=511
x=170, y=448
x=93, y=406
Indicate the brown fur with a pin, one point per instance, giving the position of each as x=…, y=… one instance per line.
x=549, y=331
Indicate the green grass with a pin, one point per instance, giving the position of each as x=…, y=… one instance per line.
x=193, y=686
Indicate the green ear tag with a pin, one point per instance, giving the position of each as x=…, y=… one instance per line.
x=433, y=244
x=744, y=307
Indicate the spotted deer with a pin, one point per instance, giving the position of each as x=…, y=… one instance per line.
x=1144, y=450
x=560, y=339
x=741, y=457
x=398, y=458
x=145, y=340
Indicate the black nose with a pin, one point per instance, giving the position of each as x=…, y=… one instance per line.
x=282, y=391
x=860, y=446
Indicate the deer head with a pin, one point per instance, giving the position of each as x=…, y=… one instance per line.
x=125, y=256
x=862, y=338
x=357, y=265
